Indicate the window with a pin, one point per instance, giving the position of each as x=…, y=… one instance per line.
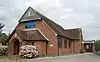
x=30, y=25
x=70, y=44
x=60, y=42
x=65, y=43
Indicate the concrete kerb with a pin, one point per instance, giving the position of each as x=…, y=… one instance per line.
x=59, y=56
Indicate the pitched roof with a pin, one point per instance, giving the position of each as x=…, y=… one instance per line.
x=73, y=33
x=88, y=41
x=56, y=27
x=12, y=32
x=36, y=15
x=30, y=35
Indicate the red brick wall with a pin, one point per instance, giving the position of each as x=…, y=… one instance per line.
x=77, y=46
x=64, y=50
x=21, y=26
x=41, y=46
x=10, y=43
x=72, y=47
x=50, y=35
x=27, y=42
x=47, y=31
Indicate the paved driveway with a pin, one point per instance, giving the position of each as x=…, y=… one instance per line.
x=87, y=57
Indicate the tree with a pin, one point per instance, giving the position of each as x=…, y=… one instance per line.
x=1, y=26
x=3, y=38
x=97, y=45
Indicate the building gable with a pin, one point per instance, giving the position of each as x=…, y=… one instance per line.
x=29, y=15
x=32, y=14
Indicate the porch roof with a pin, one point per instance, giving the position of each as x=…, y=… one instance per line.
x=31, y=35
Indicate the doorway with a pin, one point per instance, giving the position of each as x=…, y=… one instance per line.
x=16, y=47
x=88, y=47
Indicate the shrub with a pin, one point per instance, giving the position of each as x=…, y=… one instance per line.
x=28, y=51
x=3, y=50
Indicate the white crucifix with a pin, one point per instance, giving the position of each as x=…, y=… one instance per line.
x=29, y=13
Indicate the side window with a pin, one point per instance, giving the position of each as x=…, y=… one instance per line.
x=65, y=43
x=70, y=43
x=30, y=25
x=60, y=42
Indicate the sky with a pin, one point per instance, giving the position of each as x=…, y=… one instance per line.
x=69, y=14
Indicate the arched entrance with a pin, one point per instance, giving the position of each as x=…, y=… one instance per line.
x=16, y=47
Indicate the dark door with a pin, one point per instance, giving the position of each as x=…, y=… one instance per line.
x=16, y=47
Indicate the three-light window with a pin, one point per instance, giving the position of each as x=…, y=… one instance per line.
x=30, y=24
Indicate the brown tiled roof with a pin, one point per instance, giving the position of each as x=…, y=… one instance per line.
x=73, y=33
x=57, y=28
x=30, y=35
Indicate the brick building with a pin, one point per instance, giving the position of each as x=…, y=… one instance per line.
x=89, y=45
x=49, y=37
